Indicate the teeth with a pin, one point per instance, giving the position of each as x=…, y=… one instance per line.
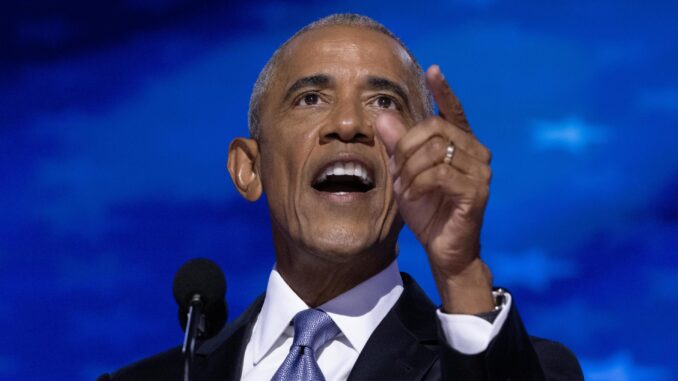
x=339, y=169
x=346, y=169
x=349, y=169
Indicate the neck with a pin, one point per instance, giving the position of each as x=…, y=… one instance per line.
x=317, y=279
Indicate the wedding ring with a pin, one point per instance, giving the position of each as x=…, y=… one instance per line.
x=449, y=154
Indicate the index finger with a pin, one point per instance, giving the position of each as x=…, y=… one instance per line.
x=448, y=103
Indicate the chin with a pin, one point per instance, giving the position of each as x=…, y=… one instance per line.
x=340, y=246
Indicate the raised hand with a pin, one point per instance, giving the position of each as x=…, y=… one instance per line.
x=441, y=176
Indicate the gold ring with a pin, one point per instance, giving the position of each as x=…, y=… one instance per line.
x=449, y=154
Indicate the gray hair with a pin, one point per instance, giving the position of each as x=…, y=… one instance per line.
x=340, y=19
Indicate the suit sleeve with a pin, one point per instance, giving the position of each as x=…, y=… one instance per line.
x=511, y=355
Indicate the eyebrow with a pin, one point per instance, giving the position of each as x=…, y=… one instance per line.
x=379, y=83
x=316, y=80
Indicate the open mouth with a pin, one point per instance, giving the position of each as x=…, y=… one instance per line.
x=343, y=177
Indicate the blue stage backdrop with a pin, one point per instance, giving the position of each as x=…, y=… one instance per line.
x=114, y=123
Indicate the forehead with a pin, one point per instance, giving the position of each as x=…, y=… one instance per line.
x=349, y=51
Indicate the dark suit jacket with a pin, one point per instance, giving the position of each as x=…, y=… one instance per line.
x=407, y=345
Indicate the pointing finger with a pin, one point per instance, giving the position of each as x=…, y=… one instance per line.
x=448, y=103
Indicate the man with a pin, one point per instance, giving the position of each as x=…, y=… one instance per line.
x=345, y=145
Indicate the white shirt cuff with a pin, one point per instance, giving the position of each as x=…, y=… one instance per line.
x=470, y=334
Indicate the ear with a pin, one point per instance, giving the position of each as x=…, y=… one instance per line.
x=243, y=155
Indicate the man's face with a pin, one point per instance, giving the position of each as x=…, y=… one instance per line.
x=324, y=171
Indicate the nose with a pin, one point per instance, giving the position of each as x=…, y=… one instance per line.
x=347, y=124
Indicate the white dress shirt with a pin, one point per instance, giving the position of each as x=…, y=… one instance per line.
x=357, y=313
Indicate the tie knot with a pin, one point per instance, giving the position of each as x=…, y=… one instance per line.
x=313, y=328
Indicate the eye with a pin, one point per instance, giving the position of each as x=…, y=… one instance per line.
x=308, y=99
x=386, y=102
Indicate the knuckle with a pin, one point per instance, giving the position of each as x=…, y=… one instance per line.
x=485, y=191
x=486, y=172
x=428, y=123
x=487, y=154
x=483, y=196
x=442, y=173
x=436, y=144
x=437, y=121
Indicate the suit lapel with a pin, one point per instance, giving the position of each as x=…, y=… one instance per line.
x=403, y=347
x=221, y=357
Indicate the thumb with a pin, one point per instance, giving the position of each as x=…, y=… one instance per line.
x=389, y=129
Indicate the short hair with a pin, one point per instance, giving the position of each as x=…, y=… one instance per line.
x=339, y=19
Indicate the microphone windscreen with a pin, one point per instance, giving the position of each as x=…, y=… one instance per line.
x=200, y=276
x=204, y=277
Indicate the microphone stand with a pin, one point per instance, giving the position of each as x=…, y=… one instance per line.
x=195, y=327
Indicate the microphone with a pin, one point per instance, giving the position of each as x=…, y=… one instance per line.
x=199, y=288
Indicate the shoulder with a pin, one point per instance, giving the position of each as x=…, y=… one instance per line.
x=557, y=361
x=163, y=366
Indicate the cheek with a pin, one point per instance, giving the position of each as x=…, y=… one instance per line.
x=281, y=167
x=275, y=174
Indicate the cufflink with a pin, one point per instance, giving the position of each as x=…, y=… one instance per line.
x=499, y=296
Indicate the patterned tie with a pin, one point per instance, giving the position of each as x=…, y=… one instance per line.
x=312, y=329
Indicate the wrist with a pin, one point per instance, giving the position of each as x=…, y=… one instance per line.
x=468, y=291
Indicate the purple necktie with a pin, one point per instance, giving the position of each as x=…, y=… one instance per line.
x=312, y=329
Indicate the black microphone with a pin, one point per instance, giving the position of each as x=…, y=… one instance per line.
x=199, y=289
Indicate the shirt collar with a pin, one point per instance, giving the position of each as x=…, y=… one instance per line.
x=357, y=312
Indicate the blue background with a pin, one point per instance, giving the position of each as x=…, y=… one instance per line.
x=114, y=123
